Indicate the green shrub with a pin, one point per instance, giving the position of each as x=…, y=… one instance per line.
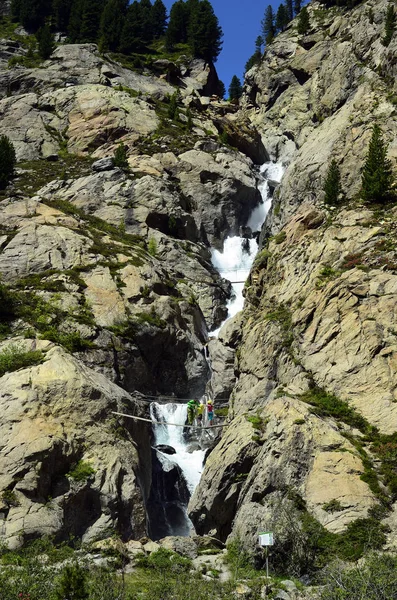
x=332, y=506
x=81, y=471
x=121, y=157
x=13, y=358
x=10, y=498
x=329, y=405
x=390, y=25
x=73, y=342
x=164, y=560
x=152, y=247
x=151, y=319
x=280, y=237
x=375, y=578
x=72, y=583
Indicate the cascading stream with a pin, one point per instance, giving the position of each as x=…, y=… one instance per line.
x=233, y=264
x=190, y=462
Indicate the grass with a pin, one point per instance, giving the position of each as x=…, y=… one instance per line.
x=36, y=174
x=325, y=404
x=13, y=358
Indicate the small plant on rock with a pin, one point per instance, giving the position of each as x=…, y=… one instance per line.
x=120, y=157
x=81, y=471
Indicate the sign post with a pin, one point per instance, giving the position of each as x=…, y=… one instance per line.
x=265, y=540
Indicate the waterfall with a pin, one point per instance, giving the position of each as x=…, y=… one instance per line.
x=235, y=262
x=190, y=463
x=178, y=463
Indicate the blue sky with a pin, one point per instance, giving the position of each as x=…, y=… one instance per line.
x=240, y=21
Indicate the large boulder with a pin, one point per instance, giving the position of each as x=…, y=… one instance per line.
x=61, y=472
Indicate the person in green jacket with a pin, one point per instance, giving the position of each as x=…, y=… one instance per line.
x=192, y=407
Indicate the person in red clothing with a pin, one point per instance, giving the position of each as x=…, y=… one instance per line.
x=210, y=412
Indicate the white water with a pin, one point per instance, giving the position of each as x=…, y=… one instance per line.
x=234, y=263
x=191, y=463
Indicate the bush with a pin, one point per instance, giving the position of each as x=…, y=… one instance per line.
x=73, y=342
x=72, y=583
x=165, y=560
x=373, y=579
x=120, y=157
x=13, y=358
x=7, y=161
x=81, y=471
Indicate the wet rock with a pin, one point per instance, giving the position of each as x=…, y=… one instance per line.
x=166, y=449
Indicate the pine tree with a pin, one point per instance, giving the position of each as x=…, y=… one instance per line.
x=130, y=39
x=46, y=43
x=235, y=88
x=297, y=6
x=90, y=20
x=7, y=161
x=145, y=7
x=303, y=21
x=121, y=157
x=177, y=26
x=221, y=89
x=257, y=55
x=205, y=33
x=173, y=106
x=72, y=584
x=112, y=20
x=390, y=25
x=189, y=122
x=282, y=18
x=74, y=24
x=159, y=19
x=268, y=28
x=289, y=5
x=31, y=13
x=62, y=10
x=332, y=185
x=377, y=176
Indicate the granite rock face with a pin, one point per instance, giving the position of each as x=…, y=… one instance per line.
x=319, y=322
x=316, y=97
x=107, y=270
x=56, y=417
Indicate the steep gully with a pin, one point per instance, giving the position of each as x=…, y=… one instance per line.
x=179, y=453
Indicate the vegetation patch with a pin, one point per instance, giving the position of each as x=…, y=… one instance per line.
x=332, y=506
x=13, y=358
x=81, y=471
x=73, y=341
x=328, y=405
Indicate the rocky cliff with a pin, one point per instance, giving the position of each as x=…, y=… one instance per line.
x=107, y=281
x=108, y=292
x=313, y=380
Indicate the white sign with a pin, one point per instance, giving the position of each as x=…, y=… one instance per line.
x=266, y=538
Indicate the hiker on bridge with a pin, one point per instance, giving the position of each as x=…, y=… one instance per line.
x=210, y=412
x=192, y=408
